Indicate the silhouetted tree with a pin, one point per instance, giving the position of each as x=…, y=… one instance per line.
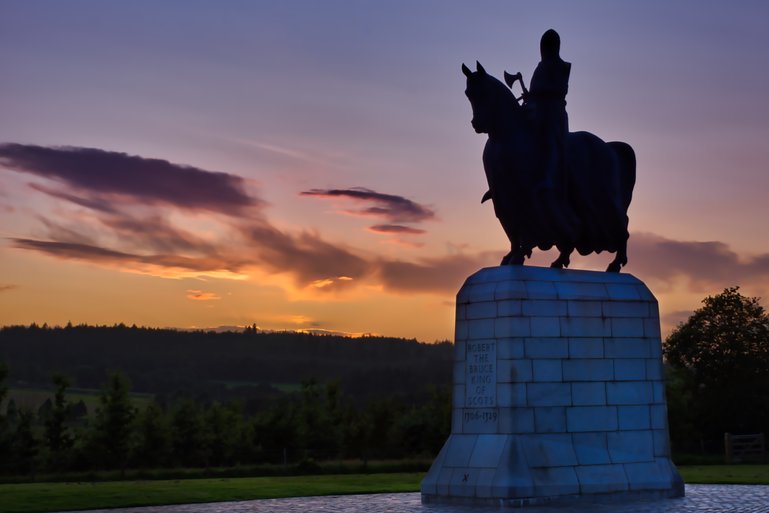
x=154, y=438
x=722, y=353
x=57, y=433
x=26, y=446
x=187, y=434
x=113, y=421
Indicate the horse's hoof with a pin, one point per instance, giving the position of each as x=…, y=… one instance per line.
x=614, y=267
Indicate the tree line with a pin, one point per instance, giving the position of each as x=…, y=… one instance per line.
x=250, y=366
x=318, y=422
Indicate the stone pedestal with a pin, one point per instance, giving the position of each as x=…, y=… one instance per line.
x=558, y=391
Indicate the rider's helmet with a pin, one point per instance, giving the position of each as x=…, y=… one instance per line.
x=550, y=44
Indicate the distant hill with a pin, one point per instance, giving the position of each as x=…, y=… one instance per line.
x=224, y=365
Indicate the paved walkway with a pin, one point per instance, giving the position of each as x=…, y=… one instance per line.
x=699, y=498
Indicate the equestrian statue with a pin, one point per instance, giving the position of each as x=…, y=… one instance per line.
x=550, y=187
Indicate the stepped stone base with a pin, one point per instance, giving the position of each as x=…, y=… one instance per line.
x=558, y=391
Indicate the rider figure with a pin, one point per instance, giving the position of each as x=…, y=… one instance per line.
x=547, y=98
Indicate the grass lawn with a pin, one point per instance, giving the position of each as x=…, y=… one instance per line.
x=725, y=474
x=37, y=497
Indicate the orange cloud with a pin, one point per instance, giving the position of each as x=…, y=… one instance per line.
x=199, y=295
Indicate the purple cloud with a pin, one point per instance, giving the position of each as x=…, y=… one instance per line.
x=138, y=179
x=395, y=229
x=705, y=264
x=396, y=209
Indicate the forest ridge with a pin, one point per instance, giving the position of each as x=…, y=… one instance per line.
x=222, y=366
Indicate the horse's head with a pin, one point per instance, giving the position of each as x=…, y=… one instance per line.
x=493, y=103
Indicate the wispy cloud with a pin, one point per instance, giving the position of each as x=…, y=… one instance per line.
x=117, y=176
x=705, y=265
x=199, y=295
x=396, y=229
x=7, y=286
x=394, y=208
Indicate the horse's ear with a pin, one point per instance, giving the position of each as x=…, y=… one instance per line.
x=466, y=70
x=480, y=68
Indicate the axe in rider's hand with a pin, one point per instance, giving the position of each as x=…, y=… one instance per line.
x=511, y=79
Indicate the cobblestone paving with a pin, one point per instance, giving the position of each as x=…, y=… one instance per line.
x=699, y=498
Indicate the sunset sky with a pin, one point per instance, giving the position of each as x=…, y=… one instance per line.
x=311, y=165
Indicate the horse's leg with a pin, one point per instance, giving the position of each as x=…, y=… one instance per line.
x=619, y=261
x=563, y=258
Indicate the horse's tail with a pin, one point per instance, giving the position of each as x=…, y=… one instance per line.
x=627, y=161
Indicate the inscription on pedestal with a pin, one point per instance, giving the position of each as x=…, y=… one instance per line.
x=481, y=375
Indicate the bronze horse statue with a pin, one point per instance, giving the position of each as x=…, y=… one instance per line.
x=588, y=212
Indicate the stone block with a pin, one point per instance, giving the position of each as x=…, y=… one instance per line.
x=461, y=312
x=623, y=292
x=623, y=347
x=480, y=328
x=514, y=371
x=479, y=292
x=463, y=482
x=649, y=475
x=482, y=310
x=602, y=479
x=504, y=327
x=456, y=420
x=591, y=418
x=588, y=394
x=661, y=443
x=584, y=308
x=581, y=290
x=613, y=308
x=654, y=369
x=541, y=290
x=547, y=370
x=509, y=308
x=627, y=327
x=652, y=328
x=659, y=416
x=461, y=331
x=510, y=289
x=629, y=369
x=629, y=392
x=510, y=348
x=544, y=308
x=459, y=372
x=585, y=327
x=444, y=480
x=480, y=420
x=550, y=419
x=488, y=451
x=458, y=395
x=459, y=450
x=588, y=370
x=658, y=391
x=459, y=350
x=511, y=395
x=545, y=326
x=591, y=448
x=634, y=417
x=546, y=348
x=548, y=394
x=552, y=481
x=483, y=483
x=630, y=446
x=512, y=478
x=583, y=347
x=516, y=420
x=548, y=450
